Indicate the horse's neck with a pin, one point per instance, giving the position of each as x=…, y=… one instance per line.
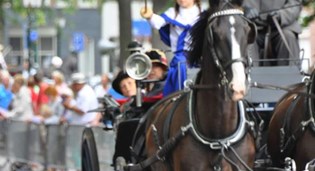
x=215, y=113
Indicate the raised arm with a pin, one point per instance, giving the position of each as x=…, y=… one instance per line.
x=155, y=20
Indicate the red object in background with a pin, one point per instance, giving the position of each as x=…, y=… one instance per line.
x=145, y=99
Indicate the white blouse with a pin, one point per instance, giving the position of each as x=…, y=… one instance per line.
x=186, y=16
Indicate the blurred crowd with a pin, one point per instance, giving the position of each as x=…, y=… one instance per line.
x=32, y=97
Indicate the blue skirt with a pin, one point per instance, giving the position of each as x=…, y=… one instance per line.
x=176, y=75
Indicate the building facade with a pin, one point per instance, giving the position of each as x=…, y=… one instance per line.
x=70, y=32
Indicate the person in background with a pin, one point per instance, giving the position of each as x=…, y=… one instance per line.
x=21, y=107
x=133, y=47
x=27, y=70
x=158, y=72
x=124, y=85
x=46, y=116
x=67, y=115
x=286, y=13
x=70, y=65
x=55, y=104
x=85, y=100
x=42, y=98
x=174, y=25
x=6, y=94
x=127, y=87
x=3, y=64
x=34, y=90
x=102, y=89
x=59, y=80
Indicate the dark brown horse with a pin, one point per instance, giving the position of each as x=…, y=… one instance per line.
x=292, y=128
x=205, y=128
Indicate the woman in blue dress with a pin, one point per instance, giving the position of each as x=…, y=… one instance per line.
x=173, y=26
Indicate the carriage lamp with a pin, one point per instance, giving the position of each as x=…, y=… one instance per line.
x=138, y=66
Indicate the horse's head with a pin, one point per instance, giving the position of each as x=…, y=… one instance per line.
x=226, y=38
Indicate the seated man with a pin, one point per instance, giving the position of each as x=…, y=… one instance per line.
x=153, y=92
x=158, y=72
x=286, y=13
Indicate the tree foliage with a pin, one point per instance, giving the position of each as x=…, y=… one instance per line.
x=40, y=14
x=310, y=5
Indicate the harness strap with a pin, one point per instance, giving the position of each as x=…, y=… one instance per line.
x=267, y=39
x=138, y=142
x=282, y=35
x=160, y=154
x=169, y=118
x=285, y=143
x=273, y=87
x=290, y=143
x=310, y=101
x=236, y=155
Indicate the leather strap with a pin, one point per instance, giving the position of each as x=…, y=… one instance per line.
x=282, y=36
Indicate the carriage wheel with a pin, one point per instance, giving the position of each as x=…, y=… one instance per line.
x=120, y=163
x=89, y=151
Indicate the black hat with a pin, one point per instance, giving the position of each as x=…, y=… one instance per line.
x=134, y=46
x=116, y=83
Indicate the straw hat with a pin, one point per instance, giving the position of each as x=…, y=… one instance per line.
x=159, y=57
x=78, y=78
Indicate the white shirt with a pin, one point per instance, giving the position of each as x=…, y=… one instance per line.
x=100, y=91
x=85, y=100
x=21, y=105
x=186, y=16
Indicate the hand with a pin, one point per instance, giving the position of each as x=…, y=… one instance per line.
x=2, y=117
x=63, y=120
x=67, y=104
x=251, y=13
x=146, y=12
x=272, y=15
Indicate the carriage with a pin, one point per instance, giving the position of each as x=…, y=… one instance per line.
x=208, y=125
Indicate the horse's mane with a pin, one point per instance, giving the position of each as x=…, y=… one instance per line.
x=197, y=34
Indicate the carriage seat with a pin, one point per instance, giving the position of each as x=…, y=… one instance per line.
x=283, y=76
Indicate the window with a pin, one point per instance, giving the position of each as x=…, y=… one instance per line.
x=16, y=43
x=46, y=43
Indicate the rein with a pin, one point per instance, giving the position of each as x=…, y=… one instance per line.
x=276, y=22
x=273, y=87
